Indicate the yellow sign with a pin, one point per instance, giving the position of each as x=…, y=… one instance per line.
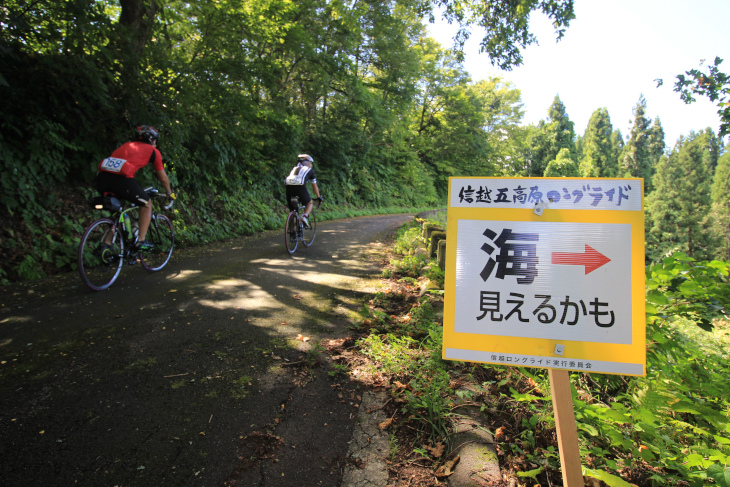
x=546, y=272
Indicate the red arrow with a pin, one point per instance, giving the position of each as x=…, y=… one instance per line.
x=592, y=259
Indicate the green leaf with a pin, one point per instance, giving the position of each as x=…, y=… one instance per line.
x=720, y=474
x=588, y=428
x=657, y=297
x=531, y=473
x=610, y=479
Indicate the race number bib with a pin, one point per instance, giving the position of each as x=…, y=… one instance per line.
x=112, y=164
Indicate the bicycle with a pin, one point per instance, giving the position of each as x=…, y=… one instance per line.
x=109, y=242
x=294, y=229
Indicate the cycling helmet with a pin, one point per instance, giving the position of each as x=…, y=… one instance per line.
x=302, y=158
x=146, y=133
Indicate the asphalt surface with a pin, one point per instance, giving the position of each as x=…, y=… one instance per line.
x=211, y=372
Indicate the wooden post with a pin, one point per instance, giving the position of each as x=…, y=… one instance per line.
x=566, y=427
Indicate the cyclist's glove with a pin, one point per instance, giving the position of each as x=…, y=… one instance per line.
x=172, y=195
x=320, y=199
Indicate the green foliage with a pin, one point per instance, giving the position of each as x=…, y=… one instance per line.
x=721, y=206
x=712, y=83
x=644, y=148
x=238, y=90
x=408, y=238
x=562, y=166
x=680, y=287
x=598, y=158
x=668, y=428
x=428, y=401
x=505, y=25
x=675, y=221
x=393, y=355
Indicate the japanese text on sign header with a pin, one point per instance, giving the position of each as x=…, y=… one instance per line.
x=612, y=194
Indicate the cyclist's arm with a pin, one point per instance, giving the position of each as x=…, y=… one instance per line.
x=316, y=189
x=164, y=180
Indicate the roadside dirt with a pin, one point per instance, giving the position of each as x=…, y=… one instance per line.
x=211, y=372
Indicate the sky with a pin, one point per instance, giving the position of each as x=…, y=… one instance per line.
x=610, y=55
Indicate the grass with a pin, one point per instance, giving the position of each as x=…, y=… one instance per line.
x=670, y=428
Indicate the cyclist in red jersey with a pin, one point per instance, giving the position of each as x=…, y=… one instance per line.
x=116, y=175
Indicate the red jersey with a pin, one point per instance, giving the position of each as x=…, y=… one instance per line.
x=131, y=157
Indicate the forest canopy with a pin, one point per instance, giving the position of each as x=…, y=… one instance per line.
x=239, y=88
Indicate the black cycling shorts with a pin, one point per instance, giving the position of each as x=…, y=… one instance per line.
x=299, y=190
x=125, y=188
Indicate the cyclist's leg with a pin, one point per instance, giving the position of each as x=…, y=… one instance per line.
x=306, y=200
x=134, y=193
x=292, y=191
x=130, y=190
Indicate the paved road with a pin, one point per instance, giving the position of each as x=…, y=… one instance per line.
x=176, y=378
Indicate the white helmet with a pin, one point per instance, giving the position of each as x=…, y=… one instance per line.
x=302, y=158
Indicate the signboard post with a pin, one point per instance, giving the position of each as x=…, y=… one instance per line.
x=547, y=273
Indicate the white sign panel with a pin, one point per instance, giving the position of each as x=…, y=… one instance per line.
x=546, y=272
x=557, y=280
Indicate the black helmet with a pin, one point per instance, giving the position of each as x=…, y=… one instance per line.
x=146, y=133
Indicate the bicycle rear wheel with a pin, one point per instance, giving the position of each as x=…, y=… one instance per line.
x=310, y=231
x=291, y=240
x=100, y=254
x=162, y=235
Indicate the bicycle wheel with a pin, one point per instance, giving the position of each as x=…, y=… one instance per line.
x=291, y=240
x=162, y=236
x=310, y=231
x=100, y=254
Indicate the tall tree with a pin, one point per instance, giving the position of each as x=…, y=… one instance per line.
x=597, y=155
x=656, y=142
x=636, y=157
x=562, y=166
x=679, y=207
x=721, y=204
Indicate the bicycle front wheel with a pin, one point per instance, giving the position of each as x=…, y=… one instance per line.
x=162, y=236
x=310, y=231
x=291, y=239
x=100, y=254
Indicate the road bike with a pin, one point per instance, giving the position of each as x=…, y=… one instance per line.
x=109, y=242
x=295, y=230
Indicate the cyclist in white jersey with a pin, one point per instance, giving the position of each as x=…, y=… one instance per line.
x=296, y=185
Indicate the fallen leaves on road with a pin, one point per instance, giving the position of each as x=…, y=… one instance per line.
x=436, y=451
x=447, y=468
x=302, y=338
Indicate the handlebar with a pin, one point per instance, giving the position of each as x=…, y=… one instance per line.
x=156, y=194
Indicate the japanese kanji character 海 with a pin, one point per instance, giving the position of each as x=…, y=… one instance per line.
x=514, y=258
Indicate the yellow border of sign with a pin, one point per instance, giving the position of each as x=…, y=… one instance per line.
x=635, y=353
